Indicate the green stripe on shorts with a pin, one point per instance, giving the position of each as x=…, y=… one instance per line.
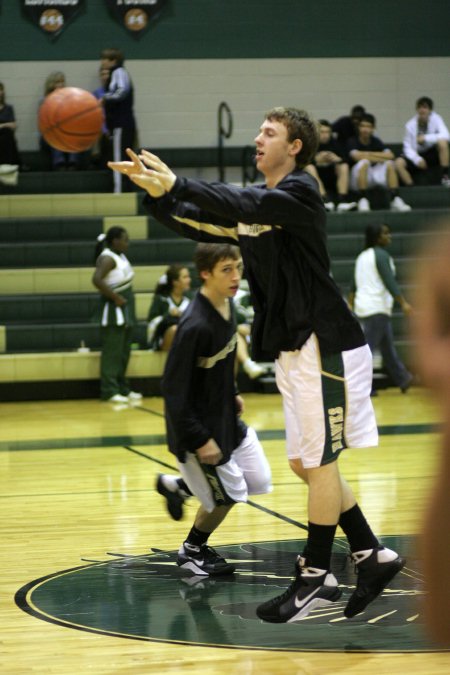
x=219, y=494
x=334, y=406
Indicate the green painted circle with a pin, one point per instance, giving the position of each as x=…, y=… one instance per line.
x=148, y=597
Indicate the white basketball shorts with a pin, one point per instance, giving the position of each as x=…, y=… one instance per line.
x=246, y=473
x=326, y=400
x=376, y=174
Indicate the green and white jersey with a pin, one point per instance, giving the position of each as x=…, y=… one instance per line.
x=119, y=279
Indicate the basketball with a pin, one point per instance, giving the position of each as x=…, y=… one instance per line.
x=70, y=119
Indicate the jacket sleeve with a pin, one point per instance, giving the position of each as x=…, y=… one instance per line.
x=187, y=429
x=440, y=131
x=383, y=263
x=119, y=87
x=410, y=142
x=190, y=221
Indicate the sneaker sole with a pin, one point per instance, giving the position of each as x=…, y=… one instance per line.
x=316, y=602
x=190, y=566
x=361, y=603
x=333, y=595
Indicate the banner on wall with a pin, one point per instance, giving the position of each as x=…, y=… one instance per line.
x=51, y=16
x=135, y=15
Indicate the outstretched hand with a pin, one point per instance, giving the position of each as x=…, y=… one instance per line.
x=147, y=171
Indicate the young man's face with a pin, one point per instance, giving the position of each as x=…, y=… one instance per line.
x=223, y=280
x=325, y=133
x=365, y=130
x=107, y=63
x=273, y=150
x=423, y=113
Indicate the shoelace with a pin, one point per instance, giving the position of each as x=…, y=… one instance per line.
x=209, y=553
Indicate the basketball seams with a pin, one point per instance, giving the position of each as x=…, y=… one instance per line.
x=67, y=129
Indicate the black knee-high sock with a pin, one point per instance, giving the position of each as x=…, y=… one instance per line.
x=357, y=530
x=197, y=537
x=319, y=545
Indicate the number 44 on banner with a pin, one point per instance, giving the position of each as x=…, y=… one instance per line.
x=51, y=16
x=135, y=16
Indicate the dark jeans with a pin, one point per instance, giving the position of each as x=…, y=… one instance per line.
x=379, y=335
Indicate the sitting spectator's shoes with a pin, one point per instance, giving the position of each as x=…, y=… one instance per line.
x=397, y=204
x=174, y=500
x=118, y=398
x=329, y=206
x=343, y=207
x=311, y=588
x=445, y=181
x=134, y=396
x=363, y=204
x=202, y=560
x=253, y=369
x=375, y=569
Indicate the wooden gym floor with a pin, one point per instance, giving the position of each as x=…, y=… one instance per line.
x=89, y=583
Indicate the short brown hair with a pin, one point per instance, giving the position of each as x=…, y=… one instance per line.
x=113, y=54
x=300, y=125
x=207, y=256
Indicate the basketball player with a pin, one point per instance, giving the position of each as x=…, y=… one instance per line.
x=220, y=459
x=323, y=364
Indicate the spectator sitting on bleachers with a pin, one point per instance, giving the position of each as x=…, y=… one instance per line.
x=61, y=161
x=169, y=302
x=372, y=164
x=9, y=155
x=425, y=144
x=331, y=171
x=347, y=126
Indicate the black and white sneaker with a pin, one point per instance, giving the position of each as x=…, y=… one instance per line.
x=311, y=588
x=174, y=500
x=375, y=569
x=203, y=560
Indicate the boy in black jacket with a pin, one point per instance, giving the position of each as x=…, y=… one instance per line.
x=219, y=457
x=323, y=364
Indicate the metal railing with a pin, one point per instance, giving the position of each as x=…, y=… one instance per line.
x=225, y=129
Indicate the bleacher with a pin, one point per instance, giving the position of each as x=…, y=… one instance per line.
x=49, y=346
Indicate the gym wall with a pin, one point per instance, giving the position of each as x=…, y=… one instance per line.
x=324, y=56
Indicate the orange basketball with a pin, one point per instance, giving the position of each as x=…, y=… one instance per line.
x=70, y=119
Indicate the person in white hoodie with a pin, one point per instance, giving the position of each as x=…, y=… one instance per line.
x=425, y=144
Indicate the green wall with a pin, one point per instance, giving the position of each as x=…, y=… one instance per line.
x=242, y=29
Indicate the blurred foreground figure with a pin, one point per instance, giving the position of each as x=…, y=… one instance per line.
x=432, y=331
